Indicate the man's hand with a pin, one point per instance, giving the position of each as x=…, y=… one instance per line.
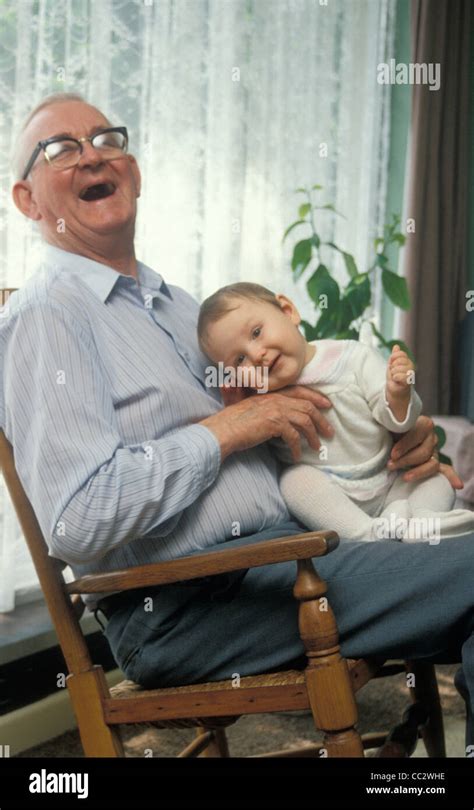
x=289, y=414
x=417, y=449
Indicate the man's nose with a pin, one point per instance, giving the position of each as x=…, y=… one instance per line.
x=90, y=156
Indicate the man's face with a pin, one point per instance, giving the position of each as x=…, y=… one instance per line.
x=55, y=196
x=259, y=334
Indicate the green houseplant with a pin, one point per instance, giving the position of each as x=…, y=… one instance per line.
x=342, y=311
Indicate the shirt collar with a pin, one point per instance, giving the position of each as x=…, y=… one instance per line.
x=101, y=278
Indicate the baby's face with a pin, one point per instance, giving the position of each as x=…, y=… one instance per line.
x=258, y=335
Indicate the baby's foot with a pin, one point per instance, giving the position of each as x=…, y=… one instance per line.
x=429, y=526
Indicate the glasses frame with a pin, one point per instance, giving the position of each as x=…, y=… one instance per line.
x=41, y=146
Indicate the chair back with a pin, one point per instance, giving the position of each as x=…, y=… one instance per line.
x=63, y=610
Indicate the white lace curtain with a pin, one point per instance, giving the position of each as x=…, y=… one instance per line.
x=230, y=105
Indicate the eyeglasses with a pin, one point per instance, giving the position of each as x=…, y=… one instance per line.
x=64, y=153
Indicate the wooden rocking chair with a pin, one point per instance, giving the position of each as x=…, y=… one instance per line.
x=327, y=685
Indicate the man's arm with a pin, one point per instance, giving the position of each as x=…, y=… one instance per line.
x=91, y=493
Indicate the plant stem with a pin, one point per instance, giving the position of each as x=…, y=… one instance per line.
x=313, y=227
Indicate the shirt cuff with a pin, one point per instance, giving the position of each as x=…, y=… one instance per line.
x=413, y=411
x=205, y=451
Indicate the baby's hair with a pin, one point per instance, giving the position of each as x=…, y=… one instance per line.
x=223, y=301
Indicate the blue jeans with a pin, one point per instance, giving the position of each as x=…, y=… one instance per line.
x=408, y=601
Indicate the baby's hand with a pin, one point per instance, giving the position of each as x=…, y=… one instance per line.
x=399, y=373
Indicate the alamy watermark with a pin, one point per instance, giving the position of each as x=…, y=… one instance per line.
x=426, y=529
x=394, y=72
x=221, y=376
x=50, y=782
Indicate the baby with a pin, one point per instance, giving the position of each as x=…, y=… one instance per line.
x=345, y=485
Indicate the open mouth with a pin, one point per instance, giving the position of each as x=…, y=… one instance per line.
x=98, y=191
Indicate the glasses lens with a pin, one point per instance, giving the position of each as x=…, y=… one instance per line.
x=110, y=142
x=62, y=153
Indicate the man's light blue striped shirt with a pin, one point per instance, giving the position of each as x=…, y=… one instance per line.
x=103, y=384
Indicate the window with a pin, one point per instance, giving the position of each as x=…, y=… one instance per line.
x=230, y=108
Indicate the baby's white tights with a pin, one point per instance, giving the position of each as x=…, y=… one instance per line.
x=408, y=511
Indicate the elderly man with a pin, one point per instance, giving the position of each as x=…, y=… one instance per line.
x=128, y=458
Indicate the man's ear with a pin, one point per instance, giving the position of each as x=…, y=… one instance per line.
x=136, y=174
x=23, y=198
x=288, y=308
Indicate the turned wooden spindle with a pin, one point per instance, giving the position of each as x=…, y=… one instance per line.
x=327, y=675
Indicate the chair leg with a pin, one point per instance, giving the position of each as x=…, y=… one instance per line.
x=403, y=739
x=218, y=746
x=328, y=681
x=425, y=691
x=88, y=691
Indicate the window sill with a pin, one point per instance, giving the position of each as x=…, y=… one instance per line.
x=28, y=629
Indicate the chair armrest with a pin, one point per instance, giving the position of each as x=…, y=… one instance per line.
x=282, y=549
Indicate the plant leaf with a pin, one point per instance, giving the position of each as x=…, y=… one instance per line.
x=396, y=289
x=316, y=187
x=301, y=256
x=327, y=324
x=316, y=240
x=293, y=225
x=322, y=283
x=381, y=260
x=351, y=266
x=310, y=332
x=441, y=434
x=344, y=316
x=357, y=295
x=330, y=207
x=301, y=190
x=334, y=246
x=348, y=334
x=304, y=209
x=445, y=459
x=400, y=238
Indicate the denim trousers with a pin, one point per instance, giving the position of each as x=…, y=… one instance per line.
x=409, y=601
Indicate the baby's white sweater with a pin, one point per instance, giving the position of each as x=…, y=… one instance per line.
x=353, y=376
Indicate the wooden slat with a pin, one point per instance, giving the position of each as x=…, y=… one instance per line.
x=282, y=549
x=220, y=699
x=372, y=740
x=152, y=705
x=197, y=745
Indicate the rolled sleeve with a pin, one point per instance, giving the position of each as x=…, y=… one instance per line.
x=413, y=412
x=372, y=376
